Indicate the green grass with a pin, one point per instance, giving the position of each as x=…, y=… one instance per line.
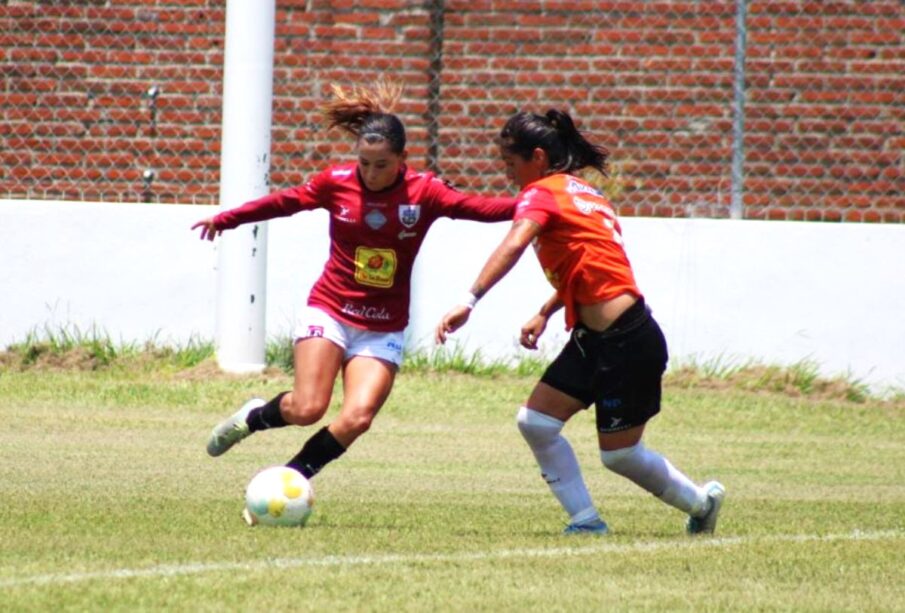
x=109, y=502
x=69, y=347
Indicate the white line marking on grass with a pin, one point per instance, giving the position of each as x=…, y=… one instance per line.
x=175, y=570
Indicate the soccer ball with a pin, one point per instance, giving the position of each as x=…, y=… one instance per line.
x=278, y=496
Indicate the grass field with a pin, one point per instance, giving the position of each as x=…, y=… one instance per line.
x=109, y=502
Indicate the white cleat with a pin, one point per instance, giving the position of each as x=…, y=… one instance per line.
x=232, y=430
x=706, y=524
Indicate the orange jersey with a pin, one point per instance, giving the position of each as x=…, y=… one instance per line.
x=580, y=244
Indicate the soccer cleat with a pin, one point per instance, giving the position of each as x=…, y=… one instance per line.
x=250, y=519
x=706, y=524
x=232, y=430
x=595, y=526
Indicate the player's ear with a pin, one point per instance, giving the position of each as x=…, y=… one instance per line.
x=540, y=157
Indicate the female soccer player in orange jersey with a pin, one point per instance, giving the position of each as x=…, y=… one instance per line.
x=380, y=211
x=616, y=355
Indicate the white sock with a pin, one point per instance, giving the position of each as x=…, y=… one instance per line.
x=657, y=475
x=557, y=462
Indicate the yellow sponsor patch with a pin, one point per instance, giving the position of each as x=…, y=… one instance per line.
x=375, y=267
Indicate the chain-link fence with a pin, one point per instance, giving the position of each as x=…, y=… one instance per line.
x=789, y=110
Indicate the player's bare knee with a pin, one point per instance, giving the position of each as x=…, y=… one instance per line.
x=357, y=422
x=302, y=412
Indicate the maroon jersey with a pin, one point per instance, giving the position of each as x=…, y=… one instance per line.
x=374, y=237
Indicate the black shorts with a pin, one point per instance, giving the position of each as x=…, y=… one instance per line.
x=619, y=370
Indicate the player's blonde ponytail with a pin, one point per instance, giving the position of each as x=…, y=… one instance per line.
x=367, y=112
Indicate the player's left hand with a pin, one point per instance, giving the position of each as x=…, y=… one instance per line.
x=532, y=331
x=451, y=322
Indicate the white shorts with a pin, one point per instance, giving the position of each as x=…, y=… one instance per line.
x=313, y=322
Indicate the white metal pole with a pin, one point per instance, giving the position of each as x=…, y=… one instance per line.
x=737, y=205
x=244, y=175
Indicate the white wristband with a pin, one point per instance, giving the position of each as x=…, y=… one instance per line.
x=469, y=300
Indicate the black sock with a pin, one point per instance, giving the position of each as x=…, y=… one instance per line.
x=318, y=451
x=267, y=416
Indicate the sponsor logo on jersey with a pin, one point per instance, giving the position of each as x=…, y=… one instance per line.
x=375, y=219
x=577, y=187
x=409, y=214
x=375, y=267
x=366, y=312
x=341, y=172
x=589, y=206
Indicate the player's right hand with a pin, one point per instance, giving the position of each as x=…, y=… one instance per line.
x=209, y=229
x=451, y=322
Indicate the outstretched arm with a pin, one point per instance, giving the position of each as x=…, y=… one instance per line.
x=278, y=204
x=500, y=262
x=458, y=205
x=483, y=208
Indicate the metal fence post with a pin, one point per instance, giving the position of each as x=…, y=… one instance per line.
x=737, y=206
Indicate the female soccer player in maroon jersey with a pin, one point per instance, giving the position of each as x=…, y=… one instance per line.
x=380, y=210
x=616, y=355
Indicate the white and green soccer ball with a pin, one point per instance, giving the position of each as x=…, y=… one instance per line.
x=278, y=496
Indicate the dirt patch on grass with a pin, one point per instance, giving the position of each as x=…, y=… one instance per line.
x=209, y=369
x=793, y=382
x=42, y=357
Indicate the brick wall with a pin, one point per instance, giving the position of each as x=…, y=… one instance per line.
x=826, y=111
x=650, y=80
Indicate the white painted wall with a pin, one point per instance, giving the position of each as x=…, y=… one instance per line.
x=778, y=292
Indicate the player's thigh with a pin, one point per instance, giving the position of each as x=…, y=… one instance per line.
x=317, y=362
x=628, y=384
x=565, y=387
x=611, y=441
x=550, y=401
x=367, y=382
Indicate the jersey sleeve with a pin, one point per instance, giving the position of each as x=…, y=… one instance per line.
x=452, y=203
x=536, y=204
x=278, y=204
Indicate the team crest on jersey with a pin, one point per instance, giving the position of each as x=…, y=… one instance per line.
x=409, y=214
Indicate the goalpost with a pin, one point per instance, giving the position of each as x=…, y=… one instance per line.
x=244, y=175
